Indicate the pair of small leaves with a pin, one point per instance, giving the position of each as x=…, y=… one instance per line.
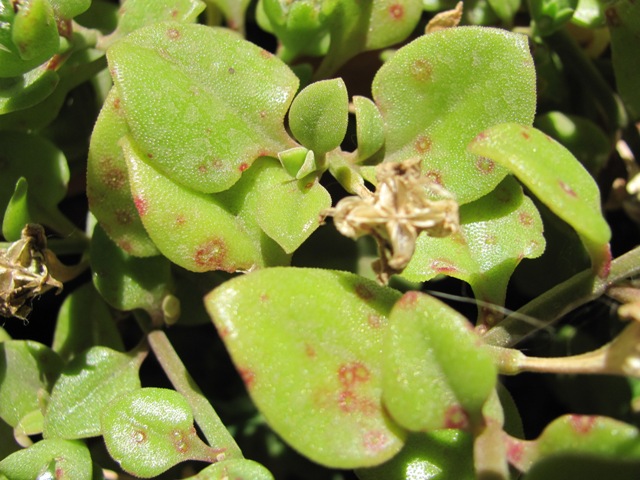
x=286, y=328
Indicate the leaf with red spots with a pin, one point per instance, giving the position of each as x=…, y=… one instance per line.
x=52, y=458
x=553, y=175
x=497, y=231
x=438, y=92
x=150, y=430
x=435, y=371
x=108, y=189
x=201, y=103
x=308, y=344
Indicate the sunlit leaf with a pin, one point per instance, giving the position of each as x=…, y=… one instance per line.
x=53, y=458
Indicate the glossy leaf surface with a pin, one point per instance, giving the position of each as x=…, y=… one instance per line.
x=27, y=369
x=201, y=103
x=108, y=188
x=150, y=430
x=554, y=175
x=435, y=373
x=53, y=458
x=496, y=232
x=433, y=105
x=77, y=400
x=318, y=115
x=308, y=345
x=84, y=321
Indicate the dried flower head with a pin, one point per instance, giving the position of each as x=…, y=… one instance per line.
x=25, y=272
x=405, y=204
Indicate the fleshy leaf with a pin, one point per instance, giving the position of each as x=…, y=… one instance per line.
x=192, y=229
x=234, y=12
x=369, y=127
x=435, y=373
x=444, y=454
x=433, y=105
x=108, y=187
x=68, y=9
x=150, y=430
x=17, y=93
x=288, y=210
x=553, y=175
x=127, y=282
x=77, y=400
x=201, y=103
x=28, y=368
x=311, y=340
x=589, y=14
x=53, y=458
x=17, y=215
x=623, y=20
x=84, y=320
x=319, y=114
x=496, y=232
x=238, y=469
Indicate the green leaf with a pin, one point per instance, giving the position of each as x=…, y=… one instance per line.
x=201, y=103
x=369, y=127
x=27, y=369
x=234, y=12
x=553, y=175
x=435, y=372
x=311, y=340
x=42, y=165
x=582, y=467
x=191, y=229
x=438, y=92
x=128, y=282
x=53, y=458
x=589, y=14
x=551, y=15
x=444, y=454
x=150, y=430
x=497, y=231
x=319, y=114
x=86, y=385
x=17, y=215
x=24, y=91
x=108, y=188
x=84, y=321
x=68, y=9
x=505, y=9
x=239, y=469
x=623, y=20
x=391, y=22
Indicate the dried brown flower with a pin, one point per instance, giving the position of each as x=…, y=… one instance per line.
x=405, y=204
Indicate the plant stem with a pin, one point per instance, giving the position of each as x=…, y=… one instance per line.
x=561, y=299
x=212, y=427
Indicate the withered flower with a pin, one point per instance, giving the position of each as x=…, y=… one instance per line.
x=405, y=204
x=26, y=271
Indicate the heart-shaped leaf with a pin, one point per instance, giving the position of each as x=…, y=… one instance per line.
x=201, y=103
x=308, y=344
x=435, y=373
x=29, y=368
x=84, y=320
x=554, y=175
x=435, y=103
x=319, y=114
x=108, y=189
x=77, y=400
x=496, y=232
x=53, y=458
x=150, y=430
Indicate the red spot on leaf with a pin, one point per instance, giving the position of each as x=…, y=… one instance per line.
x=180, y=441
x=123, y=217
x=421, y=70
x=309, y=185
x=349, y=402
x=374, y=321
x=248, y=376
x=243, y=166
x=396, y=11
x=114, y=178
x=422, y=144
x=352, y=373
x=435, y=177
x=374, y=440
x=309, y=351
x=211, y=255
x=605, y=267
x=485, y=165
x=525, y=134
x=363, y=292
x=174, y=13
x=116, y=103
x=264, y=297
x=266, y=54
x=231, y=70
x=515, y=450
x=224, y=332
x=443, y=266
x=582, y=424
x=173, y=34
x=141, y=205
x=124, y=245
x=456, y=417
x=149, y=155
x=202, y=168
x=180, y=220
x=481, y=136
x=408, y=300
x=263, y=114
x=139, y=436
x=525, y=219
x=567, y=189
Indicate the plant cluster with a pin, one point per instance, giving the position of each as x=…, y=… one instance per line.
x=241, y=153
